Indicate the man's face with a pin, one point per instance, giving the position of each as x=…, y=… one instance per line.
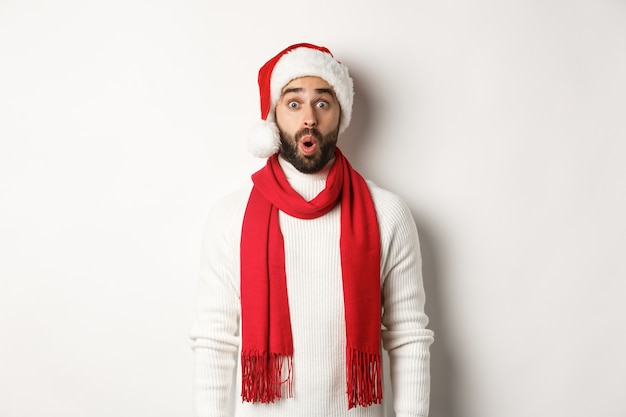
x=307, y=115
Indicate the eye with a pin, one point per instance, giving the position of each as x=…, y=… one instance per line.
x=292, y=104
x=322, y=104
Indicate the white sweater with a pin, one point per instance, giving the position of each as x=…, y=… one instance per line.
x=314, y=284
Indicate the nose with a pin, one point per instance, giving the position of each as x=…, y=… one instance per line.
x=310, y=120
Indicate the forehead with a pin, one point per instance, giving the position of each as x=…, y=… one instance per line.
x=307, y=83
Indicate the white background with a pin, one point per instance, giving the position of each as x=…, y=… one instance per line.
x=500, y=123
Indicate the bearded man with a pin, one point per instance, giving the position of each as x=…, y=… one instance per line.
x=311, y=270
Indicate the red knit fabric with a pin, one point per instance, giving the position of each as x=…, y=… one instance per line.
x=267, y=345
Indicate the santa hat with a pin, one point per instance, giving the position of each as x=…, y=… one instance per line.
x=300, y=60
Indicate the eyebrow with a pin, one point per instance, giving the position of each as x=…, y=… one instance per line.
x=299, y=90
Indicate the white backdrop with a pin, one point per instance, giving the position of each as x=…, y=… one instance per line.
x=500, y=123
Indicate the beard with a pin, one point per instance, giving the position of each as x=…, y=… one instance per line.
x=308, y=164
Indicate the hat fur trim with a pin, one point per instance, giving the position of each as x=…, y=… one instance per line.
x=305, y=62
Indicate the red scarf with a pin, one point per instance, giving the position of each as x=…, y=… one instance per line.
x=267, y=345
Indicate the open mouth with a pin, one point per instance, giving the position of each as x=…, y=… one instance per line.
x=308, y=144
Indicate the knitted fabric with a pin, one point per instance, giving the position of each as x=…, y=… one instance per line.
x=267, y=346
x=316, y=310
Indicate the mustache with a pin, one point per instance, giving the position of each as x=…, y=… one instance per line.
x=308, y=132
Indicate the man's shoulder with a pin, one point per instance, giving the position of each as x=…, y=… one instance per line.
x=395, y=220
x=385, y=200
x=230, y=207
x=233, y=199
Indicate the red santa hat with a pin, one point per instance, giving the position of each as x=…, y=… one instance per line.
x=299, y=60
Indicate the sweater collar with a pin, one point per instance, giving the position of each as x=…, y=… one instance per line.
x=307, y=185
x=293, y=174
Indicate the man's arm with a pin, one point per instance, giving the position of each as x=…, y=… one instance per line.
x=215, y=333
x=405, y=335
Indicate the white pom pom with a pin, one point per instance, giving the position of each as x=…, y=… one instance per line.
x=264, y=139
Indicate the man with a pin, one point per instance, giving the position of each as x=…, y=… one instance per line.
x=306, y=272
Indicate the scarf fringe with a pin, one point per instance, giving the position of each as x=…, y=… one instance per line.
x=364, y=378
x=262, y=377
